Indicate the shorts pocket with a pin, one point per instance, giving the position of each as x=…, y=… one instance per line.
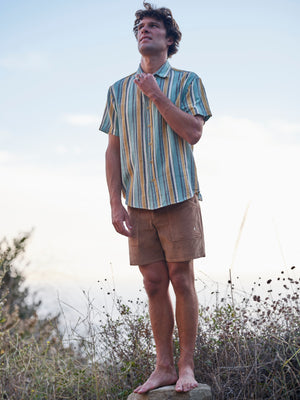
x=184, y=220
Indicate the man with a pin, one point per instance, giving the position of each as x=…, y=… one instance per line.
x=153, y=118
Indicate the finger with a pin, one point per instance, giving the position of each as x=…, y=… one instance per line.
x=120, y=228
x=128, y=222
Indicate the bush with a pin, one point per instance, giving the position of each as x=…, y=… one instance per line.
x=12, y=280
x=247, y=348
x=251, y=349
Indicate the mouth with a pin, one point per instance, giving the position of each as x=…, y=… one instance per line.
x=145, y=38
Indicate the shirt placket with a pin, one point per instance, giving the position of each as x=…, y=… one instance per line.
x=150, y=151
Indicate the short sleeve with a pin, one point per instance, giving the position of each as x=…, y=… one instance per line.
x=110, y=122
x=194, y=100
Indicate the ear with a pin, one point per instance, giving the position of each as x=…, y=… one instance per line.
x=170, y=41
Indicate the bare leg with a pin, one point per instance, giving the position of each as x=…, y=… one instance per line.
x=156, y=282
x=182, y=278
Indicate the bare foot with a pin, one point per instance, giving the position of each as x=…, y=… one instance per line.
x=186, y=381
x=160, y=377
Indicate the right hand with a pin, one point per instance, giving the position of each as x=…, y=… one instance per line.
x=121, y=221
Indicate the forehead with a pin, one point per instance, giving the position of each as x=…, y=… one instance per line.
x=147, y=20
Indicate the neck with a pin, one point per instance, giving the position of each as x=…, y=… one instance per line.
x=152, y=64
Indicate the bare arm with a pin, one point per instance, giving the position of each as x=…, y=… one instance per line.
x=119, y=215
x=187, y=126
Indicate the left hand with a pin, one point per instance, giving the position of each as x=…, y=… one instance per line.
x=147, y=83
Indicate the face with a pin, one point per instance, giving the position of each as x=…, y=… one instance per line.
x=152, y=38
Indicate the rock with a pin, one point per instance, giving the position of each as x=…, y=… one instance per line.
x=202, y=392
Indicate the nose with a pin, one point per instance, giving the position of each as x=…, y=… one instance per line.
x=144, y=29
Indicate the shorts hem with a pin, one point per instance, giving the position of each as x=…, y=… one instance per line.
x=133, y=263
x=185, y=258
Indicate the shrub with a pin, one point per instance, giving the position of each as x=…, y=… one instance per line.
x=250, y=349
x=247, y=347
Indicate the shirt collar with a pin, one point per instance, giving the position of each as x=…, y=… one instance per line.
x=162, y=72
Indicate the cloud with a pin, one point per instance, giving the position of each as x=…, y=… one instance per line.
x=285, y=127
x=62, y=150
x=21, y=61
x=3, y=134
x=244, y=159
x=237, y=144
x=286, y=132
x=240, y=131
x=6, y=157
x=239, y=160
x=81, y=119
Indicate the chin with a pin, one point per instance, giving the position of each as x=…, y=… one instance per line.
x=148, y=50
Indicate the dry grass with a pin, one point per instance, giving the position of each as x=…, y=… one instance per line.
x=248, y=347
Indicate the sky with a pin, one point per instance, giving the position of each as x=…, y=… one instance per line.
x=57, y=61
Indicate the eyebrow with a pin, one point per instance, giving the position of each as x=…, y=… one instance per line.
x=152, y=22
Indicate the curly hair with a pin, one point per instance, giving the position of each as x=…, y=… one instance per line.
x=162, y=14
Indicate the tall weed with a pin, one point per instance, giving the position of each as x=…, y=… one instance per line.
x=248, y=345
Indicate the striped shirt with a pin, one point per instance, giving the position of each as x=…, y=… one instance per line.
x=158, y=167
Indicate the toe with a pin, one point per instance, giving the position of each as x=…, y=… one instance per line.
x=143, y=388
x=136, y=390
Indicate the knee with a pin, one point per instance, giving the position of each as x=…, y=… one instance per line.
x=154, y=286
x=182, y=284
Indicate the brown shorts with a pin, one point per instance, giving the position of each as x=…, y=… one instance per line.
x=173, y=233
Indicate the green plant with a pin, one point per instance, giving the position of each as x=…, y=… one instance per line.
x=248, y=345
